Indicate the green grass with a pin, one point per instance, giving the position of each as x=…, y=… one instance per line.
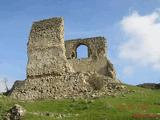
x=122, y=107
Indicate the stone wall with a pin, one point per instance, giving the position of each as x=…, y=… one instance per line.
x=46, y=51
x=96, y=47
x=96, y=61
x=75, y=85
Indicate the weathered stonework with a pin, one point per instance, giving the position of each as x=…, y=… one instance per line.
x=46, y=49
x=53, y=71
x=96, y=47
x=96, y=61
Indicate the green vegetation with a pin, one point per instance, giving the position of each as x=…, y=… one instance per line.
x=140, y=104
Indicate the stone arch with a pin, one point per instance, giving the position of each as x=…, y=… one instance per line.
x=96, y=47
x=82, y=51
x=82, y=44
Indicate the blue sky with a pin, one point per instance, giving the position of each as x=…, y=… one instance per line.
x=113, y=19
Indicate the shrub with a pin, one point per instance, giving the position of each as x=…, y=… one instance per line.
x=96, y=82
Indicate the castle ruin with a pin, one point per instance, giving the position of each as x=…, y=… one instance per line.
x=53, y=70
x=96, y=60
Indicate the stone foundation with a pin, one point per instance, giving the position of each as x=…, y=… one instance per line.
x=75, y=85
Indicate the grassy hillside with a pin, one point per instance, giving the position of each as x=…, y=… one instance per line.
x=140, y=104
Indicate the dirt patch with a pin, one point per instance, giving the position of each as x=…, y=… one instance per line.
x=147, y=116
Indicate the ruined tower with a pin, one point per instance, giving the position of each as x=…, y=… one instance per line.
x=46, y=51
x=53, y=70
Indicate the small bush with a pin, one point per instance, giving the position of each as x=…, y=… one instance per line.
x=96, y=82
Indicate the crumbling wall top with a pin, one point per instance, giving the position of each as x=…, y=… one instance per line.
x=96, y=47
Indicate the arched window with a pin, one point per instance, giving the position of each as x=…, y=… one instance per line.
x=82, y=52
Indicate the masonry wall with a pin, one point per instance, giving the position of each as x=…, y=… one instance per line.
x=46, y=50
x=96, y=60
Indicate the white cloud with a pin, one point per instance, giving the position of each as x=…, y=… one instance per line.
x=143, y=44
x=2, y=86
x=128, y=71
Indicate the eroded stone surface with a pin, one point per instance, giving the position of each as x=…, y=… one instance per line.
x=46, y=51
x=81, y=85
x=96, y=61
